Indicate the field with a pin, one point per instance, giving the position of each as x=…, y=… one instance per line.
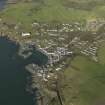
x=53, y=10
x=83, y=83
x=102, y=54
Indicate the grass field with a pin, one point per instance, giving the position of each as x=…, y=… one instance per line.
x=50, y=10
x=101, y=54
x=83, y=83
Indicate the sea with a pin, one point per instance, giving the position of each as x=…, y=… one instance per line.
x=13, y=75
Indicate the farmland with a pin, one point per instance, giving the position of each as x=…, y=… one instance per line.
x=52, y=10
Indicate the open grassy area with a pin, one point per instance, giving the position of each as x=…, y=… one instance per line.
x=83, y=83
x=22, y=13
x=83, y=4
x=101, y=54
x=50, y=10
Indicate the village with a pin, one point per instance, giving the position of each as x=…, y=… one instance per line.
x=58, y=41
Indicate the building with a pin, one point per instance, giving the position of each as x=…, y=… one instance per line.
x=25, y=34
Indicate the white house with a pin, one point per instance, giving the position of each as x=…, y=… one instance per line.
x=25, y=34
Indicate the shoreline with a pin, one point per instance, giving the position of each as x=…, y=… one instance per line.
x=10, y=39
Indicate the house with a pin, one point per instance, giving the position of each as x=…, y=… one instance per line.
x=25, y=34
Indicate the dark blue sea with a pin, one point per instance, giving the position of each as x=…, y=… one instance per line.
x=13, y=74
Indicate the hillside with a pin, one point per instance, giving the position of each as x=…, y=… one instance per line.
x=54, y=10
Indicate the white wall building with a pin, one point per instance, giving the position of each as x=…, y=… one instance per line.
x=25, y=34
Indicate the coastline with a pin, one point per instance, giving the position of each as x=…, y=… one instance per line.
x=32, y=74
x=13, y=75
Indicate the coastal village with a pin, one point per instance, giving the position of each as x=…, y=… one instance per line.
x=75, y=34
x=58, y=42
x=63, y=41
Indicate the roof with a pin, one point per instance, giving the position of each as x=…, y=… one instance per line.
x=25, y=34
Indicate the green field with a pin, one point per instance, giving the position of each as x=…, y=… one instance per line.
x=83, y=83
x=52, y=10
x=101, y=54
